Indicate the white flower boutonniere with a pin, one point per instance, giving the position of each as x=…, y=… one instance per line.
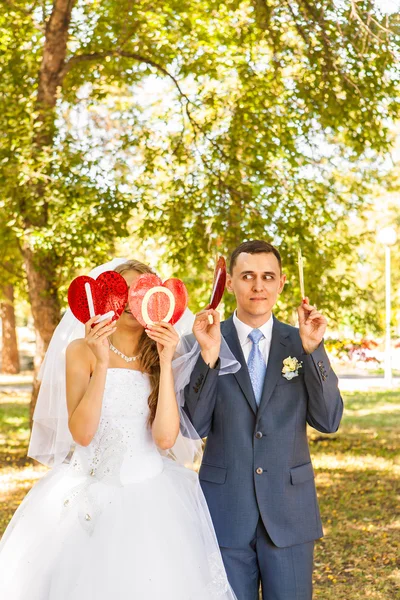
x=291, y=367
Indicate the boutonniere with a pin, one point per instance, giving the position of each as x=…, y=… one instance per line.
x=291, y=367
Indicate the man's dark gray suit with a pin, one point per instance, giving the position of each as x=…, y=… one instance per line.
x=256, y=473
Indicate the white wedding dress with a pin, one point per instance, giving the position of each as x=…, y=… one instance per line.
x=118, y=522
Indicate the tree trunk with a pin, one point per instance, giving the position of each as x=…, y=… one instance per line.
x=45, y=308
x=41, y=267
x=9, y=351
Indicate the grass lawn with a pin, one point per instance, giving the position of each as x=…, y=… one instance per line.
x=358, y=477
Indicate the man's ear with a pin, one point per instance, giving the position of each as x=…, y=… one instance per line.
x=229, y=283
x=282, y=283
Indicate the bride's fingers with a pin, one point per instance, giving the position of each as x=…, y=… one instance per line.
x=88, y=324
x=102, y=325
x=165, y=329
x=95, y=333
x=162, y=338
x=161, y=327
x=99, y=329
x=105, y=334
x=164, y=335
x=164, y=324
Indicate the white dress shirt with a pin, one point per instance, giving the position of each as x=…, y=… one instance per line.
x=243, y=331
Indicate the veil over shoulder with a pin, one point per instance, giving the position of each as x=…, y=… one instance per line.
x=51, y=440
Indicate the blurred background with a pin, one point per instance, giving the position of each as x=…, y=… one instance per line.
x=170, y=132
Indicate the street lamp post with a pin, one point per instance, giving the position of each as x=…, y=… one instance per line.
x=388, y=237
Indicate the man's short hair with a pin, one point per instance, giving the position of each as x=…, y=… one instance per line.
x=254, y=247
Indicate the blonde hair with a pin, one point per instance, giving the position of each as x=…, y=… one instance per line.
x=149, y=359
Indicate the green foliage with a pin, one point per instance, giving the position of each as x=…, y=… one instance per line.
x=52, y=200
x=207, y=124
x=273, y=146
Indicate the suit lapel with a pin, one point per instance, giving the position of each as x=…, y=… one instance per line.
x=277, y=353
x=229, y=332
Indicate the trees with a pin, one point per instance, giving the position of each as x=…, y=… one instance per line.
x=56, y=213
x=282, y=141
x=273, y=113
x=11, y=280
x=9, y=349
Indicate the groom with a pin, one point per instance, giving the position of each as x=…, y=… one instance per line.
x=256, y=473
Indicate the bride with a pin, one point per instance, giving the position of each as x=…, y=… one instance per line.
x=114, y=519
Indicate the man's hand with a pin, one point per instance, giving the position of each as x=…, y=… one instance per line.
x=312, y=326
x=208, y=335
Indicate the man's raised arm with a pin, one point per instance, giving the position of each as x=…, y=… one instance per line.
x=201, y=391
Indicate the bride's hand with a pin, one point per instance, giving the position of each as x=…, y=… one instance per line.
x=96, y=338
x=167, y=340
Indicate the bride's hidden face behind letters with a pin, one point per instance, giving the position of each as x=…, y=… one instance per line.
x=256, y=280
x=130, y=271
x=127, y=319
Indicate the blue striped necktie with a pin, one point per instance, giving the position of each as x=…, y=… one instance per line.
x=256, y=365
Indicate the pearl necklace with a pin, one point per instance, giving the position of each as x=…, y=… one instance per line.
x=127, y=359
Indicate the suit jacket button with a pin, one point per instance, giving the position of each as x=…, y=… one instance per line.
x=259, y=471
x=259, y=435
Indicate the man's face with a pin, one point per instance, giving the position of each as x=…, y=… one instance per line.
x=256, y=281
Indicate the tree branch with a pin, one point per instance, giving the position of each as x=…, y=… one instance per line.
x=98, y=56
x=354, y=13
x=329, y=54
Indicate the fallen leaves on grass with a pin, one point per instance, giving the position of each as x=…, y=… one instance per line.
x=357, y=475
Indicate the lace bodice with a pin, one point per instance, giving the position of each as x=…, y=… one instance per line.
x=122, y=450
